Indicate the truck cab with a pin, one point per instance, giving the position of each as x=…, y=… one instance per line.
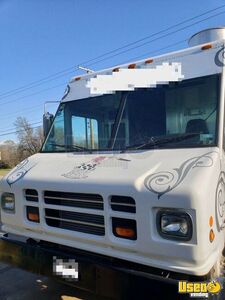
x=132, y=168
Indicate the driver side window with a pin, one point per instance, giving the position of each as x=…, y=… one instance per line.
x=85, y=132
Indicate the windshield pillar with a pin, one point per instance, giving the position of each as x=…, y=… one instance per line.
x=221, y=118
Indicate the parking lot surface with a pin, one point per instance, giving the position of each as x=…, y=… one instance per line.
x=16, y=284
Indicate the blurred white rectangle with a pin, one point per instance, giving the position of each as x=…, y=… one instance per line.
x=66, y=268
x=129, y=79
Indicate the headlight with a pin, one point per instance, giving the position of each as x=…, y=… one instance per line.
x=174, y=225
x=8, y=202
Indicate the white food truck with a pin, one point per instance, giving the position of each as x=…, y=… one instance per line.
x=131, y=175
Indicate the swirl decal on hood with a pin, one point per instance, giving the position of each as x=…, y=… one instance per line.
x=220, y=202
x=19, y=172
x=219, y=57
x=163, y=182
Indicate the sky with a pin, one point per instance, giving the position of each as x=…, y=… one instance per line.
x=43, y=41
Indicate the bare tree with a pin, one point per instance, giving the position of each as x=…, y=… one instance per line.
x=30, y=139
x=9, y=156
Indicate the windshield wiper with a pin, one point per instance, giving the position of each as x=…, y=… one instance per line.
x=71, y=147
x=165, y=140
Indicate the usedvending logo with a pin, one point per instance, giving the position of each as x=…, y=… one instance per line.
x=199, y=289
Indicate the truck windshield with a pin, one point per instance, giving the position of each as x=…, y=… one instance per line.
x=178, y=114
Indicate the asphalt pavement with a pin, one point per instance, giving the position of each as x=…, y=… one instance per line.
x=16, y=284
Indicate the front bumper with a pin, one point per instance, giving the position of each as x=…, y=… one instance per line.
x=38, y=258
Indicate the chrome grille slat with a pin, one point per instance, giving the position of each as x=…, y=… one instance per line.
x=66, y=225
x=98, y=219
x=57, y=213
x=90, y=201
x=31, y=195
x=72, y=199
x=123, y=204
x=77, y=222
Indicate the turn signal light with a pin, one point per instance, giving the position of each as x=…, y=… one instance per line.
x=125, y=232
x=33, y=214
x=124, y=228
x=33, y=217
x=211, y=235
x=211, y=221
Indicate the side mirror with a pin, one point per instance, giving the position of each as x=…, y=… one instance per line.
x=47, y=122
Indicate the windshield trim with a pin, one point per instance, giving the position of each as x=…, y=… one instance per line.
x=118, y=119
x=46, y=138
x=94, y=151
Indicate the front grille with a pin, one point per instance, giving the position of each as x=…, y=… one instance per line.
x=123, y=204
x=31, y=195
x=90, y=201
x=75, y=221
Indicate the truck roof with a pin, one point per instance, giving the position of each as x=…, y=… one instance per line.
x=196, y=61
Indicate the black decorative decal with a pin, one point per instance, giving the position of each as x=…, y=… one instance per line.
x=220, y=202
x=163, y=182
x=67, y=90
x=18, y=172
x=219, y=57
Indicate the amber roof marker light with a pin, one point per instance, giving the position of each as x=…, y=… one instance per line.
x=206, y=47
x=132, y=66
x=149, y=61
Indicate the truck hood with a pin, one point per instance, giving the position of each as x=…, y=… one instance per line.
x=158, y=171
